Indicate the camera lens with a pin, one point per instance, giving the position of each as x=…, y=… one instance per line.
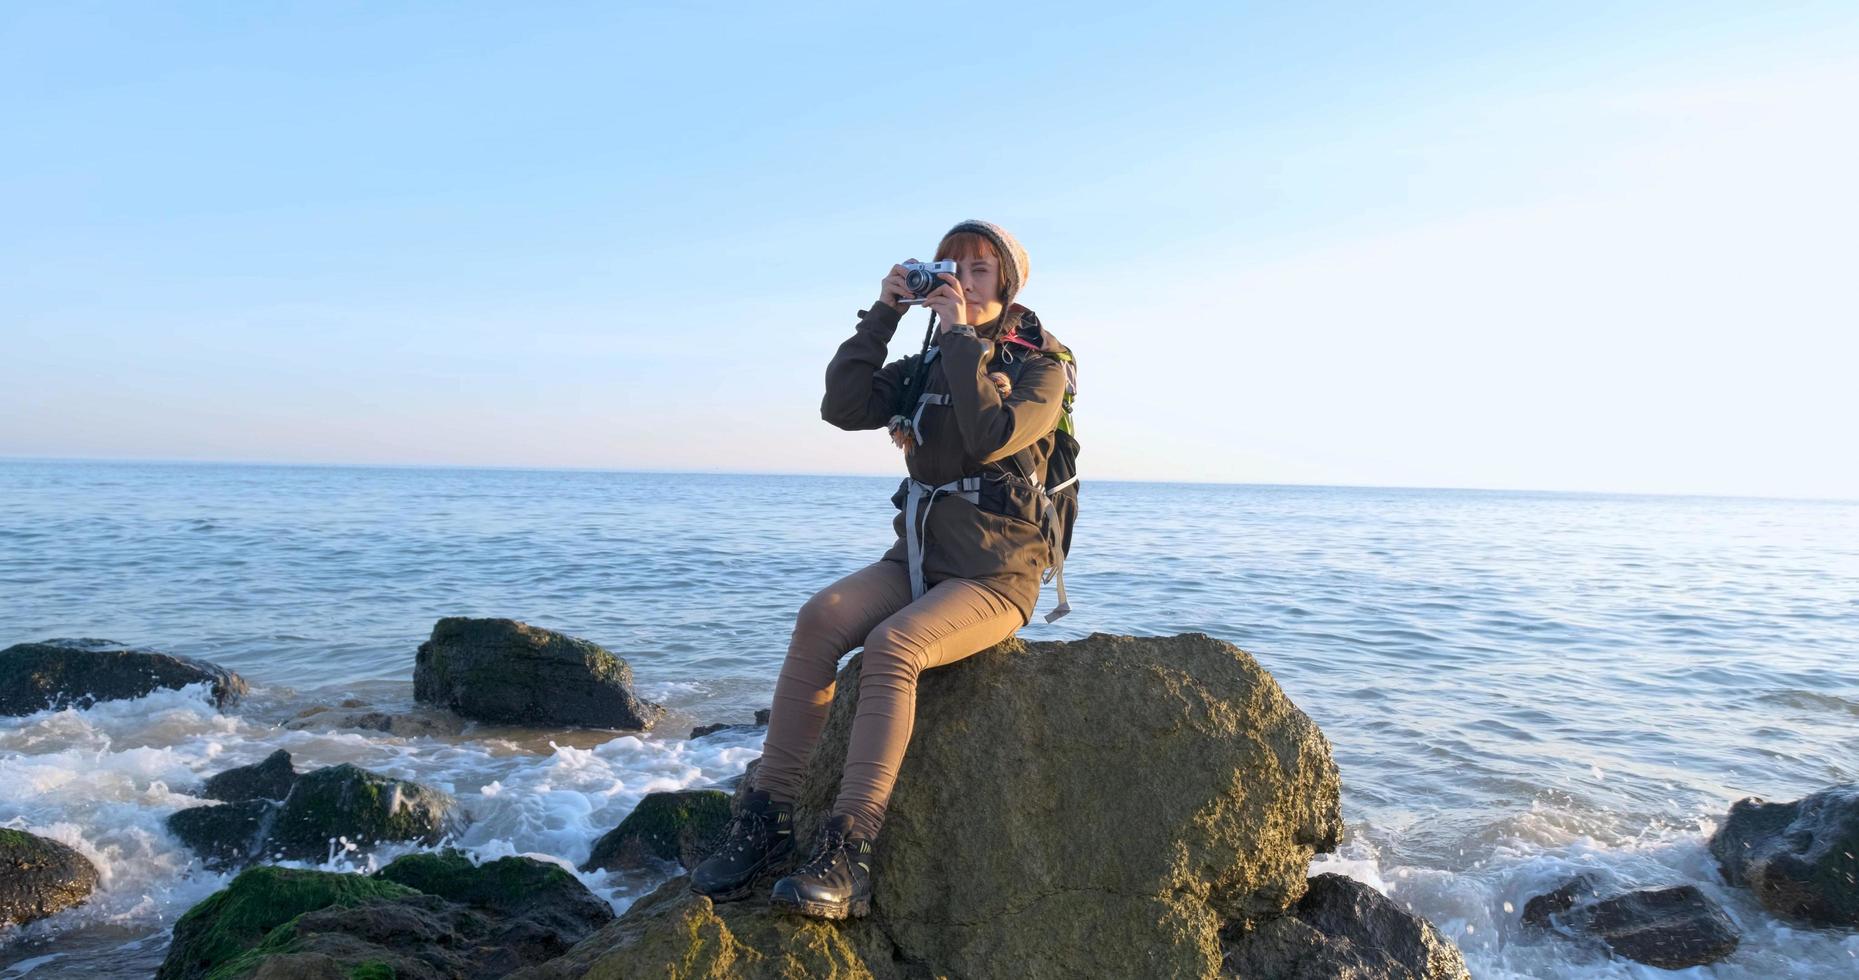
x=920, y=281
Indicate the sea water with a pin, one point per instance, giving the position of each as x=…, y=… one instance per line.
x=1518, y=686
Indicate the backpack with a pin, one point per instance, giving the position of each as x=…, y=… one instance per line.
x=1060, y=481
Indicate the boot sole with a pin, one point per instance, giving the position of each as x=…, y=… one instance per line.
x=743, y=890
x=856, y=908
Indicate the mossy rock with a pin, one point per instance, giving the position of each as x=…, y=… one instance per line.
x=40, y=876
x=365, y=807
x=504, y=671
x=524, y=886
x=1111, y=806
x=679, y=826
x=673, y=932
x=476, y=922
x=78, y=673
x=243, y=915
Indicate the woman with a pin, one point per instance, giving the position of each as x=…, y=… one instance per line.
x=976, y=428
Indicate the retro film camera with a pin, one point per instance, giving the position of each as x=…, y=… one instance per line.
x=921, y=278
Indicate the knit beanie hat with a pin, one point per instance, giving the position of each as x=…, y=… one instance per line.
x=1013, y=257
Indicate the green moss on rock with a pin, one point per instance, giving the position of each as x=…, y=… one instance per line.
x=245, y=913
x=678, y=826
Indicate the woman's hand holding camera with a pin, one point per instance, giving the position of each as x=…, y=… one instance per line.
x=948, y=303
x=896, y=287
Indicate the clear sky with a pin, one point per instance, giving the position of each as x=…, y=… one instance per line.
x=1539, y=246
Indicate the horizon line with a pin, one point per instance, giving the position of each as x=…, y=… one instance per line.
x=175, y=461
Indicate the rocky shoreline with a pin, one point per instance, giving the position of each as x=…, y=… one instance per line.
x=1112, y=805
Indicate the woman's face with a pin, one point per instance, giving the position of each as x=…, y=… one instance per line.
x=980, y=286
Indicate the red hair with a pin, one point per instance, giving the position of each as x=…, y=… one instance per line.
x=968, y=245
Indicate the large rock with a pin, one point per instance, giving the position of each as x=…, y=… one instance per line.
x=1102, y=807
x=1801, y=858
x=39, y=877
x=504, y=671
x=67, y=673
x=679, y=826
x=1344, y=928
x=235, y=919
x=365, y=807
x=424, y=916
x=342, y=801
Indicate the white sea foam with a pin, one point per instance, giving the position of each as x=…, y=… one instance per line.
x=105, y=779
x=1479, y=905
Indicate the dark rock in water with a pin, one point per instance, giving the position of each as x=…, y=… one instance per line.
x=223, y=833
x=40, y=876
x=1537, y=911
x=701, y=730
x=1801, y=858
x=267, y=780
x=680, y=826
x=761, y=721
x=1099, y=807
x=365, y=807
x=341, y=801
x=448, y=920
x=500, y=670
x=1670, y=928
x=67, y=673
x=409, y=724
x=1344, y=928
x=230, y=922
x=536, y=890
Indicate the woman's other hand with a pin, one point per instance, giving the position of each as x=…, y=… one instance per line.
x=895, y=288
x=947, y=300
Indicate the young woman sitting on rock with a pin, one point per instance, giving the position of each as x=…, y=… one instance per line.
x=964, y=574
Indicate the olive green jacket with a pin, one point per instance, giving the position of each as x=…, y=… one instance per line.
x=996, y=542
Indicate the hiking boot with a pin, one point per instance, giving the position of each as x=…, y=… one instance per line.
x=836, y=880
x=759, y=833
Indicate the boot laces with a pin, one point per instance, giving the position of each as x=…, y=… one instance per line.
x=831, y=841
x=746, y=826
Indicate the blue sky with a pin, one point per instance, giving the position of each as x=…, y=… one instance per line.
x=1556, y=246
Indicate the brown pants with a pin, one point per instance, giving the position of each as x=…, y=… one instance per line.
x=954, y=619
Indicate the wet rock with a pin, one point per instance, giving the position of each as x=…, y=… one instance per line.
x=338, y=802
x=761, y=721
x=40, y=876
x=500, y=670
x=1801, y=859
x=365, y=807
x=406, y=724
x=234, y=920
x=423, y=916
x=1671, y=928
x=224, y=834
x=537, y=890
x=1101, y=807
x=1539, y=910
x=1343, y=928
x=78, y=673
x=680, y=826
x=267, y=780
